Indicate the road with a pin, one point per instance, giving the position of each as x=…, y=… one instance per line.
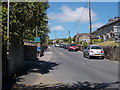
x=71, y=67
x=74, y=67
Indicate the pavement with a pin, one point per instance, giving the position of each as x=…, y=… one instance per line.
x=36, y=78
x=47, y=55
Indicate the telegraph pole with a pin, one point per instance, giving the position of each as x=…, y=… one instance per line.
x=69, y=36
x=55, y=34
x=36, y=34
x=90, y=22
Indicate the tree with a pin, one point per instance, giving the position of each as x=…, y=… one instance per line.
x=24, y=18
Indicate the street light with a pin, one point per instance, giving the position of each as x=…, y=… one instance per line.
x=8, y=27
x=8, y=37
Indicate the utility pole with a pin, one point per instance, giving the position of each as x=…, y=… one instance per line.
x=55, y=34
x=90, y=22
x=69, y=36
x=36, y=34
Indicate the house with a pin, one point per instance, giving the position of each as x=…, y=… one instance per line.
x=106, y=32
x=84, y=37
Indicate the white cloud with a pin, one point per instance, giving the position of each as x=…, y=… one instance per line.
x=57, y=28
x=69, y=15
x=97, y=25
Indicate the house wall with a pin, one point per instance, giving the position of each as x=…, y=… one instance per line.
x=84, y=38
x=107, y=32
x=81, y=38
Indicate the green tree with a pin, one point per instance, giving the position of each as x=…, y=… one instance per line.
x=24, y=18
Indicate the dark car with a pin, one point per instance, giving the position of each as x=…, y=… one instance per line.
x=65, y=46
x=62, y=45
x=73, y=47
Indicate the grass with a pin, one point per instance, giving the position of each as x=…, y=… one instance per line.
x=107, y=43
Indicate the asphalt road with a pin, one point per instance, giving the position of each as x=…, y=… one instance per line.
x=73, y=67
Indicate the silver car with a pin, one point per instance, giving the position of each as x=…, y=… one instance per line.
x=94, y=50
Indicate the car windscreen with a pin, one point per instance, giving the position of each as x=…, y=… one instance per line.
x=96, y=47
x=73, y=45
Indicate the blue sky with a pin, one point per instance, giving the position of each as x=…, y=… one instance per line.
x=65, y=16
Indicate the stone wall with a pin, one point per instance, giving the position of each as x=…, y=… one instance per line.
x=16, y=56
x=30, y=53
x=112, y=53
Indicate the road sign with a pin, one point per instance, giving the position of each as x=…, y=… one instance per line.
x=37, y=39
x=38, y=49
x=117, y=34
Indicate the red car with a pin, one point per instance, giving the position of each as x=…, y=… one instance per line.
x=72, y=47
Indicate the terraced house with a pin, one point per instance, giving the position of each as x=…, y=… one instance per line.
x=106, y=32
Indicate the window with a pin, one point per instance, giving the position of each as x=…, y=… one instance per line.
x=73, y=45
x=88, y=47
x=96, y=47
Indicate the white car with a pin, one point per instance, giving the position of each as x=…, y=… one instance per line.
x=94, y=51
x=57, y=45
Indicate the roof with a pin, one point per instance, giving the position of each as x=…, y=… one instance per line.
x=87, y=34
x=81, y=34
x=115, y=21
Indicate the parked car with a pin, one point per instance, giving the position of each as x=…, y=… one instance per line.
x=57, y=45
x=94, y=51
x=62, y=45
x=66, y=46
x=73, y=47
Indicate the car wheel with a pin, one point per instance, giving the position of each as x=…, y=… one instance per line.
x=76, y=50
x=89, y=57
x=84, y=55
x=102, y=57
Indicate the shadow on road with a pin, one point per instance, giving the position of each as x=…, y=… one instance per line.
x=75, y=86
x=36, y=66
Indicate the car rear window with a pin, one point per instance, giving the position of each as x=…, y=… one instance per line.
x=96, y=47
x=73, y=45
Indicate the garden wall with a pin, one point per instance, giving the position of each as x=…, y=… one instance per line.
x=30, y=53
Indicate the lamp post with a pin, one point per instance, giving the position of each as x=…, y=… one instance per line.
x=8, y=75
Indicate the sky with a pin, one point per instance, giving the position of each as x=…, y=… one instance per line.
x=73, y=17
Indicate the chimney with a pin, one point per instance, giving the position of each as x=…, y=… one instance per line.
x=116, y=18
x=111, y=20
